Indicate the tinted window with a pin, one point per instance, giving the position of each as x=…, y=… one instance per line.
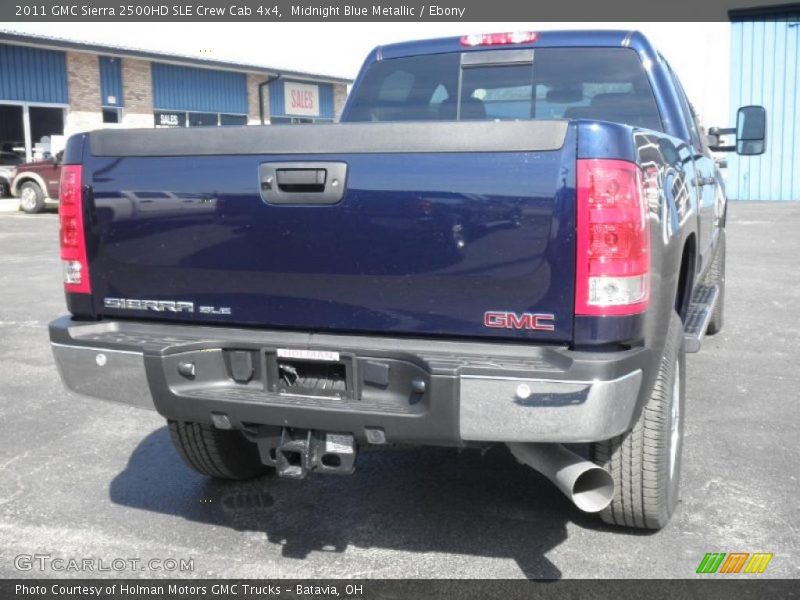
x=689, y=115
x=561, y=83
x=232, y=120
x=203, y=119
x=111, y=115
x=150, y=195
x=497, y=92
x=408, y=89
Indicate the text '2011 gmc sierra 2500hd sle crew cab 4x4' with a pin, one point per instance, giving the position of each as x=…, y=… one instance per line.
x=509, y=238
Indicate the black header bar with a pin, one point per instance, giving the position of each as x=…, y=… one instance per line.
x=710, y=588
x=530, y=11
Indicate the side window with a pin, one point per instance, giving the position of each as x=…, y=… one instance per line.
x=686, y=109
x=698, y=127
x=688, y=114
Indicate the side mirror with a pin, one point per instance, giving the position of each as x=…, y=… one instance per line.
x=751, y=130
x=713, y=137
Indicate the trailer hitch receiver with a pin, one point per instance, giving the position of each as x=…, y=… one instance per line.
x=298, y=451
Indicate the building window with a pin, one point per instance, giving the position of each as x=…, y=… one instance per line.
x=171, y=118
x=197, y=119
x=111, y=88
x=112, y=115
x=297, y=120
x=233, y=120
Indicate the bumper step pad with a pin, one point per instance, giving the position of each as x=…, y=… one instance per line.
x=698, y=316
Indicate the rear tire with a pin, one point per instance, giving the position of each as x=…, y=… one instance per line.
x=716, y=276
x=645, y=462
x=31, y=198
x=217, y=453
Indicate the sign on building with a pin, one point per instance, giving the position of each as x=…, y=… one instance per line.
x=170, y=119
x=301, y=99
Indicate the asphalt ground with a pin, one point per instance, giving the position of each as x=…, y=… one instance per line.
x=83, y=478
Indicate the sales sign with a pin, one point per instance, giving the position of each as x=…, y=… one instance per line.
x=301, y=99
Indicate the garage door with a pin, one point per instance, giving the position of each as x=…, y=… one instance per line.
x=32, y=75
x=33, y=95
x=189, y=96
x=765, y=70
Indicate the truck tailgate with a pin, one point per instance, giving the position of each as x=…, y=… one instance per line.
x=438, y=224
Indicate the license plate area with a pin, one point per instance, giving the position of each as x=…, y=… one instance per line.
x=299, y=372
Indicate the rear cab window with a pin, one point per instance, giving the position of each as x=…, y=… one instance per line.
x=607, y=84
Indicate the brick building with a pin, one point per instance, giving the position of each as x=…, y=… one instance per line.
x=51, y=88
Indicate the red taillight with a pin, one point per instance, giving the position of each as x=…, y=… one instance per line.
x=72, y=235
x=499, y=39
x=613, y=245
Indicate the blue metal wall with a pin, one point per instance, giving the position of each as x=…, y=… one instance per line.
x=765, y=70
x=326, y=100
x=111, y=81
x=276, y=99
x=276, y=108
x=32, y=75
x=201, y=90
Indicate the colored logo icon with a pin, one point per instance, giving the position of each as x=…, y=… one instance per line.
x=734, y=562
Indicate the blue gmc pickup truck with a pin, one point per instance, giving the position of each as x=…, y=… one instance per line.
x=509, y=238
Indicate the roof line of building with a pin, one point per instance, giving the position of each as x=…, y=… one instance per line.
x=773, y=11
x=53, y=43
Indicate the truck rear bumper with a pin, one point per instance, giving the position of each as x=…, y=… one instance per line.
x=389, y=390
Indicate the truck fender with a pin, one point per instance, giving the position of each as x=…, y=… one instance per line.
x=28, y=176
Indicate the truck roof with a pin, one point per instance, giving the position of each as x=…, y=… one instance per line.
x=599, y=38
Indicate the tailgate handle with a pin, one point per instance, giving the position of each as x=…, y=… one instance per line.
x=301, y=180
x=302, y=183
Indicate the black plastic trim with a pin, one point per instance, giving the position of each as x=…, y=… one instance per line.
x=338, y=138
x=73, y=152
x=80, y=305
x=599, y=331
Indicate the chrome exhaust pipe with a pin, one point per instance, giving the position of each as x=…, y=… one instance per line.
x=589, y=486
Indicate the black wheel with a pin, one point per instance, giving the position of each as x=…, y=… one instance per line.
x=716, y=276
x=31, y=198
x=645, y=462
x=222, y=454
x=5, y=189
